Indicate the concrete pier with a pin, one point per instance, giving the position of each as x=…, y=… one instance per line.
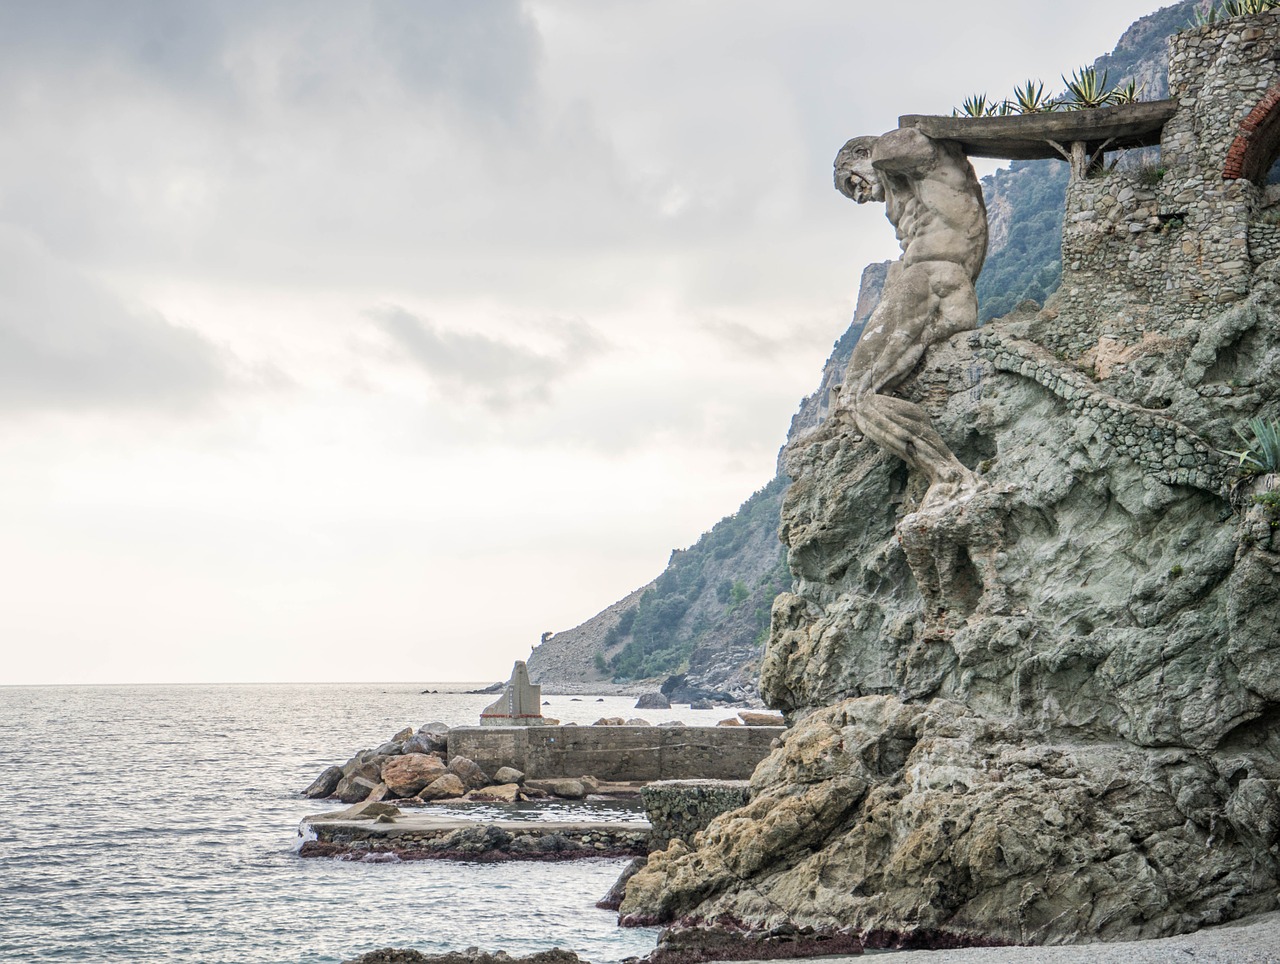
x=618, y=753
x=423, y=836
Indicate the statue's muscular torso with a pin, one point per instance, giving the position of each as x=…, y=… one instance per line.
x=933, y=199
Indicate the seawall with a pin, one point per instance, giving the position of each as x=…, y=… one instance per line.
x=617, y=753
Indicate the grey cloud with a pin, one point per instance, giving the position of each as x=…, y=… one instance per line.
x=745, y=341
x=66, y=342
x=481, y=54
x=495, y=372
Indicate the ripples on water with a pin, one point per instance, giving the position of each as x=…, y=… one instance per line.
x=159, y=824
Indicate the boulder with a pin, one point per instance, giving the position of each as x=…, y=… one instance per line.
x=403, y=735
x=353, y=789
x=653, y=701
x=324, y=784
x=368, y=810
x=672, y=723
x=406, y=775
x=469, y=772
x=637, y=721
x=390, y=748
x=701, y=705
x=446, y=788
x=732, y=721
x=568, y=788
x=750, y=718
x=430, y=738
x=508, y=775
x=610, y=721
x=503, y=793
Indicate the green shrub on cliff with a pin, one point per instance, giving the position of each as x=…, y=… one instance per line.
x=701, y=587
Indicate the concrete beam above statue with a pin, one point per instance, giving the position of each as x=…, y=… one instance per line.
x=1028, y=137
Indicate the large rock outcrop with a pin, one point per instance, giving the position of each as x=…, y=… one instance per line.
x=1074, y=733
x=1050, y=712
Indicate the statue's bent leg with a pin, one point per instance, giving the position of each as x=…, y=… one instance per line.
x=926, y=302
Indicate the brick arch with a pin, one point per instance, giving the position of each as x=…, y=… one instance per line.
x=1258, y=143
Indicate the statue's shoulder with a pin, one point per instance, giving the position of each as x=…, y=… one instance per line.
x=904, y=151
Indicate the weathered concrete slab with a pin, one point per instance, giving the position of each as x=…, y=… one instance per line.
x=618, y=753
x=1024, y=137
x=425, y=836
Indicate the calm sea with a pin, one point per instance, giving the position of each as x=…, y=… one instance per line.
x=159, y=823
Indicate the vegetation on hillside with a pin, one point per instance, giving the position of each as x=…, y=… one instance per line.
x=1029, y=263
x=699, y=585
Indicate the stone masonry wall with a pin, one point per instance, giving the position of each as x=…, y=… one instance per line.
x=1151, y=250
x=617, y=753
x=678, y=809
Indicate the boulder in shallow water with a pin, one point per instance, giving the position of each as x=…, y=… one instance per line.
x=368, y=810
x=653, y=701
x=355, y=789
x=406, y=775
x=503, y=793
x=324, y=784
x=565, y=787
x=390, y=748
x=508, y=775
x=446, y=788
x=750, y=718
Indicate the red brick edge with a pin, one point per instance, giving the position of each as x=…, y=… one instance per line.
x=1241, y=158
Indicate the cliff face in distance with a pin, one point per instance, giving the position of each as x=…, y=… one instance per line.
x=1048, y=712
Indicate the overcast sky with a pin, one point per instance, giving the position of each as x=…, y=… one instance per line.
x=368, y=340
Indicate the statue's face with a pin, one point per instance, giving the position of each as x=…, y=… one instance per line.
x=855, y=177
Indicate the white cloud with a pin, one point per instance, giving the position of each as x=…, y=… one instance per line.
x=618, y=263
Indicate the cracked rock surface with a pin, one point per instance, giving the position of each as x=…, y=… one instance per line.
x=1049, y=715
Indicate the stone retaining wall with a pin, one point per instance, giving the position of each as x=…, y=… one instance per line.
x=678, y=809
x=1165, y=449
x=1158, y=249
x=617, y=753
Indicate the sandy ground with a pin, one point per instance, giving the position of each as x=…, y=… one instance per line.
x=1254, y=940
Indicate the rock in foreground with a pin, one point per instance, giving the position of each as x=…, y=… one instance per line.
x=472, y=955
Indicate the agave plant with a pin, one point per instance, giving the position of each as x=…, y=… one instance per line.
x=1263, y=453
x=1086, y=90
x=1030, y=99
x=1240, y=8
x=976, y=106
x=1229, y=9
x=1128, y=94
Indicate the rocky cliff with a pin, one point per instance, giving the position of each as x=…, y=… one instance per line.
x=1051, y=712
x=719, y=641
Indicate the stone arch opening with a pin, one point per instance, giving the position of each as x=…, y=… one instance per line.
x=1257, y=144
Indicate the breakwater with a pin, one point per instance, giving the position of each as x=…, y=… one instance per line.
x=617, y=753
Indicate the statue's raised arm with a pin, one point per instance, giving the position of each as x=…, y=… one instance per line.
x=934, y=201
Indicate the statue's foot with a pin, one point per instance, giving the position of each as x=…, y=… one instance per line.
x=942, y=494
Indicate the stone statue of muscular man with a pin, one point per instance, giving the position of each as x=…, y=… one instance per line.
x=933, y=199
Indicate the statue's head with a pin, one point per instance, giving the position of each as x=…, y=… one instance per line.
x=855, y=177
